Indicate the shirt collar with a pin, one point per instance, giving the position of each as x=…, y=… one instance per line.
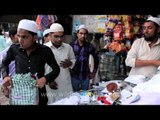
x=35, y=45
x=49, y=44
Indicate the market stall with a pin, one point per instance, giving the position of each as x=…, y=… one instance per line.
x=118, y=33
x=133, y=90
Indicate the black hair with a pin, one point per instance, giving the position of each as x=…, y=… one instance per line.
x=12, y=31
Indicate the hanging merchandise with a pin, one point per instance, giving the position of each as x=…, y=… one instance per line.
x=111, y=22
x=128, y=45
x=107, y=39
x=117, y=46
x=128, y=28
x=137, y=21
x=110, y=25
x=100, y=21
x=118, y=33
x=44, y=21
x=107, y=67
x=128, y=32
x=136, y=28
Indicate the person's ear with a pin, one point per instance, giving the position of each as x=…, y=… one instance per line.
x=35, y=37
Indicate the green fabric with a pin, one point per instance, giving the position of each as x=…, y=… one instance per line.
x=23, y=91
x=3, y=44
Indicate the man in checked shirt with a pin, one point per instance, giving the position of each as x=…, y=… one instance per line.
x=81, y=73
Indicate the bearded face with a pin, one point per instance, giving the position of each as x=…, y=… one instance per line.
x=150, y=31
x=150, y=38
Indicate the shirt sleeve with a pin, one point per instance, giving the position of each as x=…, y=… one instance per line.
x=6, y=61
x=51, y=61
x=72, y=57
x=132, y=54
x=95, y=57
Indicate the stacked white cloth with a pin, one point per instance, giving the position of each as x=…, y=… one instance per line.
x=149, y=91
x=74, y=99
x=136, y=79
x=150, y=86
x=148, y=98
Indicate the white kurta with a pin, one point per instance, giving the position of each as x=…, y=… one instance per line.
x=140, y=50
x=63, y=81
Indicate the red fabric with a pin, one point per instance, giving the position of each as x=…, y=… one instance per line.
x=103, y=100
x=38, y=21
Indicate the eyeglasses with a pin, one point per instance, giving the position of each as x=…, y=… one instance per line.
x=81, y=33
x=58, y=37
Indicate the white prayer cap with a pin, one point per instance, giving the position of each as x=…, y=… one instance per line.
x=47, y=31
x=29, y=25
x=82, y=27
x=56, y=27
x=154, y=19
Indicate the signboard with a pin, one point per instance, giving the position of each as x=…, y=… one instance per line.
x=94, y=23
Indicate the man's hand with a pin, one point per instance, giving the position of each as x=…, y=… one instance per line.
x=91, y=75
x=41, y=82
x=6, y=86
x=53, y=85
x=66, y=63
x=7, y=81
x=5, y=91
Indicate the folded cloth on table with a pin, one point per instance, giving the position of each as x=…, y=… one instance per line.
x=150, y=86
x=136, y=79
x=148, y=98
x=74, y=99
x=128, y=97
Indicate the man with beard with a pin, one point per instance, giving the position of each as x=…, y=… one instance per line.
x=144, y=55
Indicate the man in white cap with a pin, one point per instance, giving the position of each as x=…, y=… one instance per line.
x=30, y=57
x=46, y=37
x=144, y=55
x=81, y=73
x=65, y=58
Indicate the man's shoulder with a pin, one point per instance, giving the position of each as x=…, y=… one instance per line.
x=14, y=46
x=49, y=44
x=72, y=43
x=89, y=44
x=139, y=40
x=67, y=45
x=41, y=47
x=45, y=47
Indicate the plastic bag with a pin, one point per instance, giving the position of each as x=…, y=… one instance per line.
x=23, y=91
